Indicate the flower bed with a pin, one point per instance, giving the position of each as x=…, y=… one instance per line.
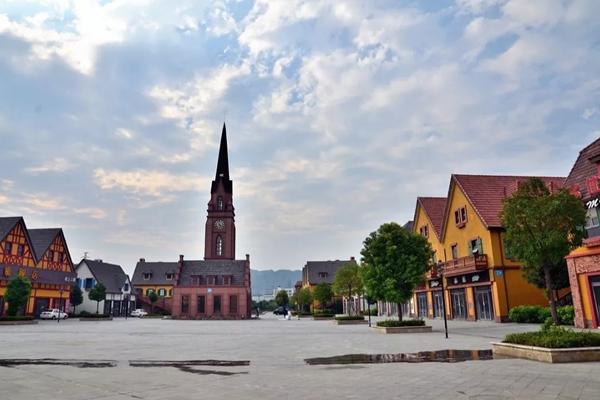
x=350, y=320
x=555, y=338
x=404, y=326
x=393, y=323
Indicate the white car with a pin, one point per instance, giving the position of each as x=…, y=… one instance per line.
x=54, y=314
x=138, y=312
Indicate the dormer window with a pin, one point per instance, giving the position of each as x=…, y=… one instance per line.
x=8, y=248
x=169, y=276
x=460, y=216
x=220, y=204
x=147, y=276
x=424, y=230
x=227, y=280
x=126, y=287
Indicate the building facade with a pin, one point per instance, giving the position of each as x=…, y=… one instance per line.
x=120, y=299
x=42, y=256
x=317, y=272
x=584, y=263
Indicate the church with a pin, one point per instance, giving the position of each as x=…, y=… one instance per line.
x=217, y=287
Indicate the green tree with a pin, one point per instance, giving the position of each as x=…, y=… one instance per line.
x=97, y=294
x=542, y=227
x=153, y=297
x=394, y=263
x=323, y=294
x=76, y=297
x=301, y=298
x=17, y=294
x=282, y=298
x=348, y=281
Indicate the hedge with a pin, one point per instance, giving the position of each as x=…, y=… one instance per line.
x=373, y=312
x=17, y=318
x=555, y=337
x=324, y=314
x=393, y=323
x=350, y=318
x=537, y=314
x=88, y=315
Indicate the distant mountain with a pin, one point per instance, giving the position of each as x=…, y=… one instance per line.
x=264, y=282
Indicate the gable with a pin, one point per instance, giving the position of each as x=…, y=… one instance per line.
x=16, y=238
x=474, y=225
x=56, y=257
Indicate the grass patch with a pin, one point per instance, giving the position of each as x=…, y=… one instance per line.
x=350, y=318
x=394, y=323
x=555, y=337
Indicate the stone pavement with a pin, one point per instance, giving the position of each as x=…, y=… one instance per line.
x=276, y=350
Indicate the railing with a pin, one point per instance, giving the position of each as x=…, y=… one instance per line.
x=466, y=264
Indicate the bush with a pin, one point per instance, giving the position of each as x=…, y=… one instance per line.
x=302, y=314
x=393, y=323
x=566, y=315
x=554, y=337
x=350, y=318
x=16, y=318
x=373, y=312
x=83, y=314
x=529, y=314
x=324, y=314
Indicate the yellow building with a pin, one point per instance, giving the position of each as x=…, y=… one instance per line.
x=158, y=277
x=482, y=281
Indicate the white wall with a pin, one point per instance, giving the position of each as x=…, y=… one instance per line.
x=83, y=272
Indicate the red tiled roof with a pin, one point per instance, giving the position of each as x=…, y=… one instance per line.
x=486, y=193
x=434, y=207
x=584, y=168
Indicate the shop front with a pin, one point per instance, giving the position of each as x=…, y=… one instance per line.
x=471, y=296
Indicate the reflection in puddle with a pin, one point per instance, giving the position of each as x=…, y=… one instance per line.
x=188, y=366
x=423, y=356
x=54, y=361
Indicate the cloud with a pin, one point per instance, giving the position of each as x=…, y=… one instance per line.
x=152, y=183
x=55, y=165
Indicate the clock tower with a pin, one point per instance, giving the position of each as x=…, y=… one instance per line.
x=219, y=238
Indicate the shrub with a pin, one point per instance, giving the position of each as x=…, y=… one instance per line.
x=302, y=314
x=350, y=318
x=529, y=314
x=392, y=323
x=554, y=337
x=566, y=314
x=324, y=314
x=16, y=318
x=373, y=312
x=89, y=315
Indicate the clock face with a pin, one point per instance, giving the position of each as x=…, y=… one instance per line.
x=219, y=224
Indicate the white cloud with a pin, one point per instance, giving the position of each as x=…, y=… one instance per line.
x=58, y=164
x=124, y=133
x=151, y=183
x=590, y=112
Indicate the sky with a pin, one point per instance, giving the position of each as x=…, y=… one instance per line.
x=339, y=114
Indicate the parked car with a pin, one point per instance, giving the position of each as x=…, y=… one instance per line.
x=280, y=311
x=138, y=312
x=54, y=314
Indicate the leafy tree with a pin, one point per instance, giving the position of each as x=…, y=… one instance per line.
x=97, y=294
x=76, y=296
x=281, y=298
x=17, y=294
x=153, y=297
x=348, y=281
x=301, y=298
x=542, y=227
x=323, y=294
x=394, y=263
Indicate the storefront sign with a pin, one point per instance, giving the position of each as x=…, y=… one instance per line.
x=434, y=284
x=593, y=203
x=477, y=277
x=39, y=275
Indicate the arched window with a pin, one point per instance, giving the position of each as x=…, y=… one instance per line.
x=219, y=246
x=220, y=205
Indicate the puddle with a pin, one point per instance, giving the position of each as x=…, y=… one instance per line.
x=191, y=370
x=54, y=361
x=449, y=356
x=189, y=366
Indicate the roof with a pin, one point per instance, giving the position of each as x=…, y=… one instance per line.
x=486, y=193
x=7, y=224
x=586, y=166
x=310, y=272
x=222, y=173
x=41, y=239
x=158, y=271
x=234, y=268
x=434, y=208
x=408, y=226
x=111, y=276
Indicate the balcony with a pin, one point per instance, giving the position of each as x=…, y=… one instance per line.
x=432, y=273
x=464, y=265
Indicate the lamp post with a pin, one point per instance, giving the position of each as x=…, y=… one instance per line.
x=59, y=304
x=440, y=268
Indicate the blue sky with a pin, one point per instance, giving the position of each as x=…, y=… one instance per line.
x=339, y=114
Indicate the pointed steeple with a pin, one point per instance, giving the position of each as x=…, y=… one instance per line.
x=223, y=162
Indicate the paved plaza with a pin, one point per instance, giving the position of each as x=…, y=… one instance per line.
x=275, y=349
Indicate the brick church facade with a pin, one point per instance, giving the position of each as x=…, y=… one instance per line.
x=217, y=287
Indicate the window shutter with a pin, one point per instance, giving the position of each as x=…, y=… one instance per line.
x=470, y=246
x=479, y=246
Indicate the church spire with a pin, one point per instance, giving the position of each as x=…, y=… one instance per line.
x=222, y=174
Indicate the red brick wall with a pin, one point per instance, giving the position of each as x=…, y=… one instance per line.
x=223, y=291
x=577, y=266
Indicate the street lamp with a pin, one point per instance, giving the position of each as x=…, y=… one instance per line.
x=440, y=270
x=59, y=304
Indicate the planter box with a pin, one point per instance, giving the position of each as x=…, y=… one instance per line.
x=403, y=329
x=95, y=319
x=352, y=322
x=24, y=322
x=576, y=354
x=322, y=318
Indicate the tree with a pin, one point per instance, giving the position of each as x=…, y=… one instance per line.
x=542, y=227
x=394, y=263
x=17, y=294
x=281, y=298
x=348, y=281
x=76, y=296
x=323, y=294
x=301, y=298
x=97, y=294
x=153, y=297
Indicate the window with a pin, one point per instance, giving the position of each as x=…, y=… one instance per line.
x=50, y=255
x=591, y=220
x=169, y=276
x=233, y=304
x=217, y=304
x=147, y=275
x=424, y=230
x=126, y=287
x=170, y=292
x=475, y=246
x=8, y=248
x=148, y=291
x=210, y=279
x=219, y=246
x=220, y=204
x=460, y=216
x=162, y=292
x=197, y=280
x=323, y=274
x=227, y=280
x=454, y=249
x=89, y=283
x=20, y=250
x=60, y=258
x=201, y=301
x=78, y=282
x=185, y=304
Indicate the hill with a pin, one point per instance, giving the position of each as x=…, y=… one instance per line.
x=264, y=282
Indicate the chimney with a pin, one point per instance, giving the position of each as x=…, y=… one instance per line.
x=142, y=260
x=247, y=257
x=98, y=260
x=181, y=258
x=352, y=258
